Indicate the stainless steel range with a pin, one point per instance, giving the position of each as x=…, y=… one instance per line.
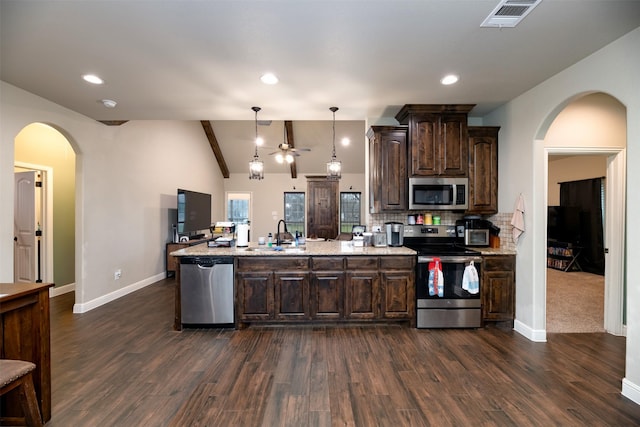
x=455, y=304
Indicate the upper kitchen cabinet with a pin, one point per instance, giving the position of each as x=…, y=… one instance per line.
x=438, y=137
x=387, y=168
x=483, y=169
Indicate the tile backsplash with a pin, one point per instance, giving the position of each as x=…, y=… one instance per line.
x=500, y=220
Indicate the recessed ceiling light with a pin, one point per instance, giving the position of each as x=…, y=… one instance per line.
x=93, y=79
x=449, y=79
x=269, y=79
x=109, y=103
x=346, y=141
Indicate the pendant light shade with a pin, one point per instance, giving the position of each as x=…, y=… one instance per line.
x=256, y=166
x=334, y=167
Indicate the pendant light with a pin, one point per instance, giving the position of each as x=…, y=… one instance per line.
x=256, y=166
x=334, y=167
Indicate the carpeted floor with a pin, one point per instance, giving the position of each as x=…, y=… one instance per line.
x=575, y=301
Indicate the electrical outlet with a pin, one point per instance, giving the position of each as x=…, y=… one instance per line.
x=117, y=274
x=376, y=228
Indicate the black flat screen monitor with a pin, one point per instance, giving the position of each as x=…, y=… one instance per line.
x=564, y=223
x=194, y=211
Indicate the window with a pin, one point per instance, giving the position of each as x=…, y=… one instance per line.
x=349, y=211
x=294, y=211
x=239, y=207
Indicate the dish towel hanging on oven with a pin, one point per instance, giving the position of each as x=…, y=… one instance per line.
x=436, y=278
x=470, y=281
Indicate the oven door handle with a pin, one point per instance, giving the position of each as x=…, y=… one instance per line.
x=450, y=259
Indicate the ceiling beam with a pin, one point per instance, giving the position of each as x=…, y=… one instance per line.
x=288, y=124
x=213, y=142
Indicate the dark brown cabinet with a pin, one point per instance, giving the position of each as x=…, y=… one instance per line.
x=483, y=169
x=387, y=168
x=362, y=288
x=397, y=288
x=291, y=289
x=322, y=208
x=255, y=295
x=498, y=288
x=270, y=289
x=325, y=288
x=438, y=137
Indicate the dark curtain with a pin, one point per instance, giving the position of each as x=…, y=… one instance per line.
x=585, y=195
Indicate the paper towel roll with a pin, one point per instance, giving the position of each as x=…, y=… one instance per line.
x=243, y=235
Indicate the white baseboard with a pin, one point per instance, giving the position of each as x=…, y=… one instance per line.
x=104, y=299
x=60, y=290
x=631, y=390
x=536, y=335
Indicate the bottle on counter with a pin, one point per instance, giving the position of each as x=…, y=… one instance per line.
x=270, y=240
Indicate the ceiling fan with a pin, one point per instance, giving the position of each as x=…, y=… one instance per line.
x=286, y=152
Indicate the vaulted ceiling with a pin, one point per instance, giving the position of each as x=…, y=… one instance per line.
x=202, y=60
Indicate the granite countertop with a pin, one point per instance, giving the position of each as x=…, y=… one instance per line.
x=495, y=251
x=322, y=248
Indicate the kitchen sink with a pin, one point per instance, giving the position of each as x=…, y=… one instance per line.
x=277, y=249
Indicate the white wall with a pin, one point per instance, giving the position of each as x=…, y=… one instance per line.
x=268, y=196
x=613, y=70
x=572, y=168
x=127, y=178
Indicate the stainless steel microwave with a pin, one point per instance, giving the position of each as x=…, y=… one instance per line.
x=438, y=193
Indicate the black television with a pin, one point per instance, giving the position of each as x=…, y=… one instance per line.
x=194, y=212
x=564, y=224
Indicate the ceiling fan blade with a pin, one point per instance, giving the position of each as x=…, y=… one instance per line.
x=300, y=149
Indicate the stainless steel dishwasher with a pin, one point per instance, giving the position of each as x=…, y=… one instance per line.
x=206, y=291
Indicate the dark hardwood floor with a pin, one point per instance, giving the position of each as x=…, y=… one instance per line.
x=123, y=365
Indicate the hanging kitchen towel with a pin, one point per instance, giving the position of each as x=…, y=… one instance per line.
x=440, y=280
x=470, y=281
x=517, y=220
x=436, y=278
x=432, y=278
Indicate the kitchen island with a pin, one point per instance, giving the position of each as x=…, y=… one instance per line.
x=320, y=282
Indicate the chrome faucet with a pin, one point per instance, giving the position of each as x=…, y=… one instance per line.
x=278, y=238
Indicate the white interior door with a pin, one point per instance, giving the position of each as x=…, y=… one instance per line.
x=24, y=220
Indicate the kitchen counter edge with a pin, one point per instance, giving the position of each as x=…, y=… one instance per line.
x=331, y=248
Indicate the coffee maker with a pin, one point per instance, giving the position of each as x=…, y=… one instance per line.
x=395, y=233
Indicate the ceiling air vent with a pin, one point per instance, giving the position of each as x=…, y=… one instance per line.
x=509, y=13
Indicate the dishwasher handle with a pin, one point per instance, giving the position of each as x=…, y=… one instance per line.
x=206, y=262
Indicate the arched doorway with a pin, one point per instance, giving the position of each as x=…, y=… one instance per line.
x=595, y=124
x=42, y=148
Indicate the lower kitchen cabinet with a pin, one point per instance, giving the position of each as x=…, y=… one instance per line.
x=398, y=288
x=324, y=289
x=499, y=288
x=362, y=288
x=291, y=289
x=327, y=290
x=270, y=289
x=254, y=295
